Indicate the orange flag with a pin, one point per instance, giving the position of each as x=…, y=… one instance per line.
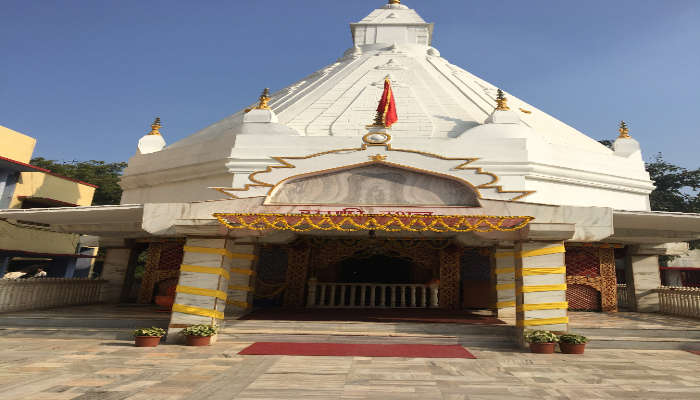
x=387, y=106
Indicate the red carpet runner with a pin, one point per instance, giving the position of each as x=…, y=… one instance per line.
x=694, y=352
x=359, y=350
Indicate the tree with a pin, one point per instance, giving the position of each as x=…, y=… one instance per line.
x=676, y=187
x=102, y=174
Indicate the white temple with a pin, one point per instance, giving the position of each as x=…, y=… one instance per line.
x=302, y=170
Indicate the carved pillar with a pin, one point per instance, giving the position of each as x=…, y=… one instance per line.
x=297, y=272
x=608, y=284
x=148, y=281
x=449, y=277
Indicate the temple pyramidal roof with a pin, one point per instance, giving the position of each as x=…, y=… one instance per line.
x=443, y=111
x=435, y=99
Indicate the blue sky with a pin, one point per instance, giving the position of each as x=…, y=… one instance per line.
x=86, y=78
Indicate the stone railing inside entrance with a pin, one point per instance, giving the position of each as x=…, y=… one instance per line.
x=624, y=301
x=371, y=295
x=683, y=301
x=34, y=294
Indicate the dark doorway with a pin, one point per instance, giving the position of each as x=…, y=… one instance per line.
x=376, y=269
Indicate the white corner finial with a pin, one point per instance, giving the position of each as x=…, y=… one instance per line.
x=152, y=141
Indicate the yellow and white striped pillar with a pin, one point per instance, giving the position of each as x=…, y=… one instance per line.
x=504, y=269
x=242, y=282
x=540, y=286
x=201, y=292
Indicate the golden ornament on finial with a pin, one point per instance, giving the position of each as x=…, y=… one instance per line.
x=155, y=127
x=394, y=1
x=262, y=101
x=624, y=131
x=501, y=101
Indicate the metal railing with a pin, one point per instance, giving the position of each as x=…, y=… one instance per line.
x=625, y=300
x=683, y=301
x=34, y=294
x=371, y=295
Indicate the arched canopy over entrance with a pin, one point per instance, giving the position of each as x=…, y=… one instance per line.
x=376, y=184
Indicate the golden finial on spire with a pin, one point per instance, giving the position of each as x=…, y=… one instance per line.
x=155, y=127
x=624, y=131
x=394, y=1
x=262, y=101
x=501, y=101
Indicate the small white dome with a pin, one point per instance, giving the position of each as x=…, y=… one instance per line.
x=151, y=144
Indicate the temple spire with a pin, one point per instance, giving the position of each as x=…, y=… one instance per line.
x=624, y=131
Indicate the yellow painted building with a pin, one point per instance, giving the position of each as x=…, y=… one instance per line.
x=29, y=245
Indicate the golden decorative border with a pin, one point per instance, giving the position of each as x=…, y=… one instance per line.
x=181, y=308
x=544, y=321
x=201, y=292
x=306, y=223
x=285, y=164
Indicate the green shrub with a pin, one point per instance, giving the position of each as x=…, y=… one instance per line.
x=200, y=330
x=573, y=339
x=540, y=337
x=152, y=331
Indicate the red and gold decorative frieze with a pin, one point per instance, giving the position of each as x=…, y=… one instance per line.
x=373, y=222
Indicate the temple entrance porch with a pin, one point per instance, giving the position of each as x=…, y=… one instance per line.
x=374, y=273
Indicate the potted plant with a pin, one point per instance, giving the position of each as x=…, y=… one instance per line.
x=572, y=344
x=199, y=335
x=541, y=342
x=148, y=337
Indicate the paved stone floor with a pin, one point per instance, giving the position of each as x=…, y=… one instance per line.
x=113, y=370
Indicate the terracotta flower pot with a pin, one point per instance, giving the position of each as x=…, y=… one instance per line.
x=147, y=341
x=571, y=348
x=542, y=348
x=197, y=340
x=165, y=301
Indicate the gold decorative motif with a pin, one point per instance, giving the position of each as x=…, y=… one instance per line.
x=162, y=263
x=377, y=157
x=501, y=101
x=624, y=131
x=449, y=278
x=593, y=267
x=608, y=289
x=148, y=281
x=297, y=272
x=155, y=127
x=373, y=222
x=525, y=111
x=263, y=101
x=394, y=1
